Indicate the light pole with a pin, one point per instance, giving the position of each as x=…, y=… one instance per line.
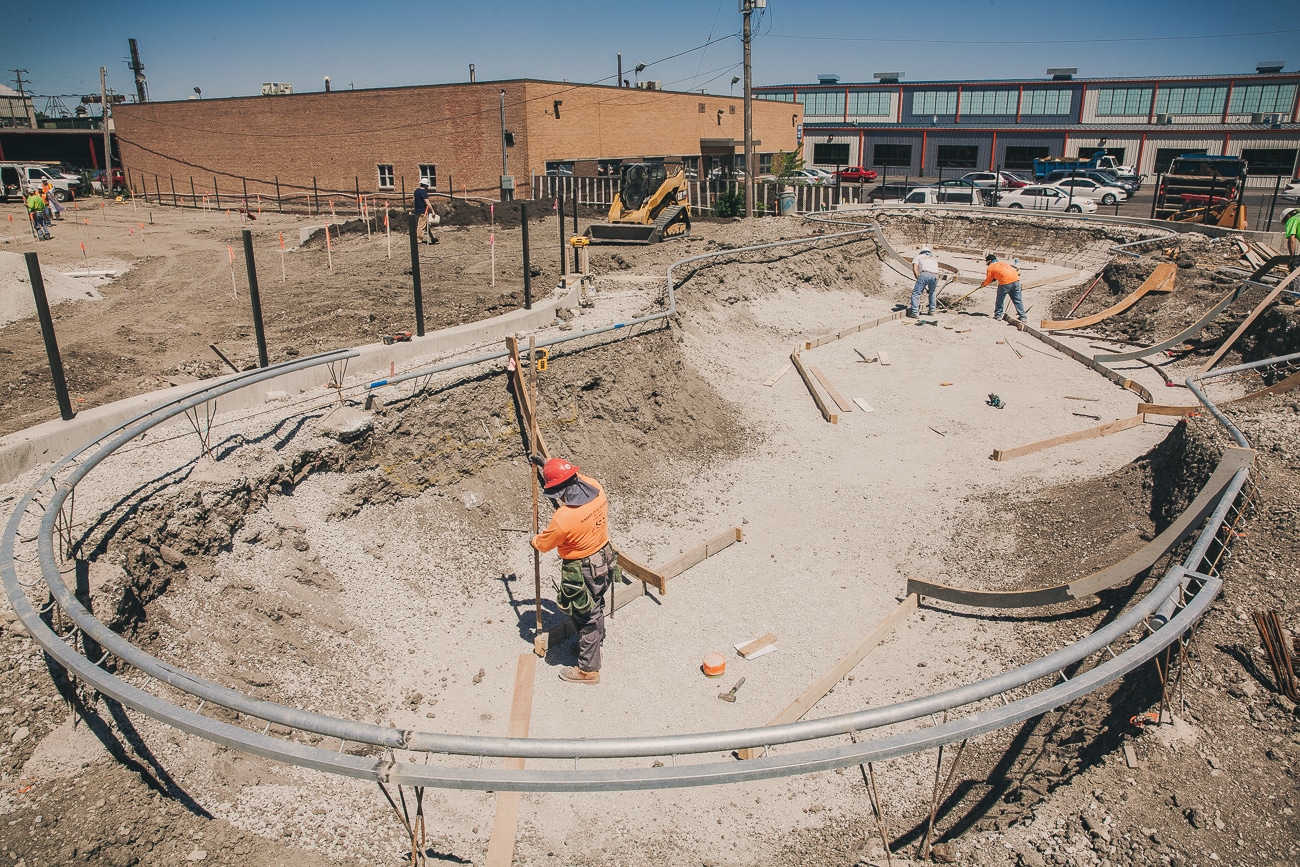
x=746, y=8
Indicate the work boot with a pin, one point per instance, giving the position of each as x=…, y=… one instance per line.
x=912, y=314
x=930, y=312
x=573, y=674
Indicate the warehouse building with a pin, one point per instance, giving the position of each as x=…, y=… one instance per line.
x=929, y=128
x=457, y=135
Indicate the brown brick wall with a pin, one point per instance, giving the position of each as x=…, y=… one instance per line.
x=339, y=138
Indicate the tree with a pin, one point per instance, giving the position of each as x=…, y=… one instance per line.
x=786, y=164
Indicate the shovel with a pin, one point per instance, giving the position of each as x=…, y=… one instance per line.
x=731, y=696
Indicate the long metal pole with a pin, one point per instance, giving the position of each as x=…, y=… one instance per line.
x=528, y=269
x=411, y=223
x=564, y=259
x=108, y=144
x=47, y=332
x=749, y=122
x=532, y=443
x=255, y=297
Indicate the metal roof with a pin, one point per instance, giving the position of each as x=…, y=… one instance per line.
x=1273, y=78
x=1011, y=126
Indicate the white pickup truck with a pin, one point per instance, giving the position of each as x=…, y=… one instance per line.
x=23, y=178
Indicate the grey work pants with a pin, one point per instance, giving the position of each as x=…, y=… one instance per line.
x=591, y=626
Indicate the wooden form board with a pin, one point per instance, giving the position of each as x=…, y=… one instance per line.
x=1100, y=430
x=505, y=823
x=1161, y=280
x=1114, y=376
x=795, y=711
x=772, y=380
x=1254, y=314
x=629, y=592
x=1285, y=385
x=812, y=389
x=1186, y=334
x=863, y=326
x=840, y=400
x=1117, y=573
x=1165, y=409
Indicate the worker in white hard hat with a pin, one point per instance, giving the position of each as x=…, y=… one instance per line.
x=1291, y=228
x=428, y=216
x=925, y=268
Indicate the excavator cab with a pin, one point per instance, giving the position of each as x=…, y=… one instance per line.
x=650, y=205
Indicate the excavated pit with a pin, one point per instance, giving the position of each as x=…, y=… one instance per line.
x=387, y=578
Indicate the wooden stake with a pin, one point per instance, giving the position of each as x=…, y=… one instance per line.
x=284, y=277
x=539, y=637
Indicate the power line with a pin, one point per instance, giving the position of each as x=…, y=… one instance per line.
x=18, y=77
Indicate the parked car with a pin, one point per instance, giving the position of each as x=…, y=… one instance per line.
x=895, y=192
x=1045, y=197
x=1005, y=180
x=1107, y=195
x=826, y=176
x=965, y=187
x=804, y=176
x=1103, y=178
x=940, y=196
x=856, y=175
x=1291, y=192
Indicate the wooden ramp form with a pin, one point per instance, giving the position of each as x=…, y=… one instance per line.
x=1181, y=337
x=631, y=591
x=1254, y=314
x=1100, y=430
x=1281, y=387
x=1114, y=575
x=795, y=711
x=501, y=845
x=1161, y=280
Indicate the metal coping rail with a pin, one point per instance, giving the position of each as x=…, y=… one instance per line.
x=1169, y=588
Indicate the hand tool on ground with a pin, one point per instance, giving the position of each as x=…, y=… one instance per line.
x=399, y=337
x=995, y=402
x=731, y=696
x=1087, y=415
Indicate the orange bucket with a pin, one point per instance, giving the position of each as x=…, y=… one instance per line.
x=714, y=665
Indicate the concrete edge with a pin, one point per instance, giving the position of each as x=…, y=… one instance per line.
x=34, y=446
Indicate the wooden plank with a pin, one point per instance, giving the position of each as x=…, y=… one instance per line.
x=756, y=645
x=655, y=579
x=1254, y=314
x=524, y=401
x=1186, y=334
x=725, y=539
x=1165, y=409
x=812, y=389
x=772, y=380
x=1118, y=379
x=795, y=711
x=505, y=824
x=1161, y=280
x=1073, y=437
x=840, y=400
x=1281, y=387
x=814, y=342
x=863, y=405
x=883, y=358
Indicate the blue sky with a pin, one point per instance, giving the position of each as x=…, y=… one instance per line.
x=229, y=49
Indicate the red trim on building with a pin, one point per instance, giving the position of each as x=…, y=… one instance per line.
x=1020, y=102
x=1083, y=98
x=846, y=105
x=957, y=115
x=1151, y=112
x=1137, y=163
x=1227, y=136
x=924, y=137
x=1227, y=102
x=993, y=152
x=862, y=147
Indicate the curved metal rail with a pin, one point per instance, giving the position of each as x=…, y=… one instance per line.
x=1179, y=599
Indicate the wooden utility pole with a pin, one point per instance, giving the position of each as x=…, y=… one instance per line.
x=103, y=122
x=747, y=9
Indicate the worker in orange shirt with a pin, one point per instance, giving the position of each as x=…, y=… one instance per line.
x=1008, y=279
x=579, y=533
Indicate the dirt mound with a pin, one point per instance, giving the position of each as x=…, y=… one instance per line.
x=16, y=300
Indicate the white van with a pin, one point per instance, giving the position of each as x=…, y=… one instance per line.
x=30, y=176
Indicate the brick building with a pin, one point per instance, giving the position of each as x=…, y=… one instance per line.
x=384, y=140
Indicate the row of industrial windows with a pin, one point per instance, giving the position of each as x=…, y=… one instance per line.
x=1111, y=101
x=1208, y=100
x=1262, y=161
x=387, y=179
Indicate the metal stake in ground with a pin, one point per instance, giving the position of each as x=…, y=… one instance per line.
x=411, y=222
x=528, y=270
x=255, y=297
x=47, y=332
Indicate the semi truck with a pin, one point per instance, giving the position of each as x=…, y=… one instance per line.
x=1101, y=161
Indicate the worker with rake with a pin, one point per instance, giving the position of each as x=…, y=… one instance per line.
x=1008, y=279
x=579, y=532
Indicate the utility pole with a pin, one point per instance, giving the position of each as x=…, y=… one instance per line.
x=103, y=122
x=747, y=7
x=29, y=109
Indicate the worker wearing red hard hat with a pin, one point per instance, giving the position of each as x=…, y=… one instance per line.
x=579, y=533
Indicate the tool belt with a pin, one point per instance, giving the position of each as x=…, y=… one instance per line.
x=573, y=594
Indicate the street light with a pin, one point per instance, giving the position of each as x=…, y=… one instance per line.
x=199, y=92
x=734, y=79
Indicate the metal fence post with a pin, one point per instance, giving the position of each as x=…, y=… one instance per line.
x=412, y=229
x=47, y=332
x=256, y=298
x=528, y=276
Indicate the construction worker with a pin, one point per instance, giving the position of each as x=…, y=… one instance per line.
x=925, y=268
x=39, y=215
x=1291, y=228
x=428, y=217
x=579, y=532
x=1008, y=279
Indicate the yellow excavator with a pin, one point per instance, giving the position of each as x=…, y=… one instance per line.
x=650, y=206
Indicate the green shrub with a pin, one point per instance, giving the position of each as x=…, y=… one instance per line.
x=730, y=203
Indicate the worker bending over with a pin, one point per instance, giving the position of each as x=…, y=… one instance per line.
x=579, y=532
x=1008, y=284
x=1291, y=228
